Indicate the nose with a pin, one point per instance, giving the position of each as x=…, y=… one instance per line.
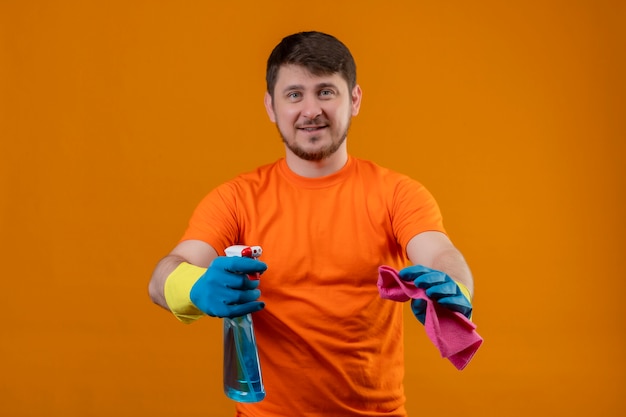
x=311, y=107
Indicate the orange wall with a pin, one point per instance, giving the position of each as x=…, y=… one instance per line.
x=116, y=117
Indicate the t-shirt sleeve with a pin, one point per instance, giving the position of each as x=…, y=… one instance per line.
x=214, y=220
x=414, y=210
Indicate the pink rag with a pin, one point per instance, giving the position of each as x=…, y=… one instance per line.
x=450, y=331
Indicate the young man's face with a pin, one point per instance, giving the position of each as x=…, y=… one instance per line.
x=312, y=112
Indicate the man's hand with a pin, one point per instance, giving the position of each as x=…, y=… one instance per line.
x=225, y=290
x=439, y=287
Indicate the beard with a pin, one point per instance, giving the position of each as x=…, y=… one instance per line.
x=319, y=154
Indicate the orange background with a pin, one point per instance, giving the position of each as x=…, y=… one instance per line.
x=116, y=117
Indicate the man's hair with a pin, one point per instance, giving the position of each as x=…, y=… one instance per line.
x=319, y=53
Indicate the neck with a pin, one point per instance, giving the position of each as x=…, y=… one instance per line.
x=316, y=169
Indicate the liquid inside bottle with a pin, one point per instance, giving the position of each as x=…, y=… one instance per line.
x=242, y=371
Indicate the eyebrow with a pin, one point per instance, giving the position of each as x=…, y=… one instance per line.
x=301, y=87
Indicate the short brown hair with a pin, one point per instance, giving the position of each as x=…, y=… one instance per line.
x=319, y=53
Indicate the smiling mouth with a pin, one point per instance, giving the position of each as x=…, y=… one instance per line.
x=312, y=128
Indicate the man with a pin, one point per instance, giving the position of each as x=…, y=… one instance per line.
x=328, y=344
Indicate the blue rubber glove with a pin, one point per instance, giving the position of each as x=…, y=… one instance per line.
x=225, y=290
x=439, y=287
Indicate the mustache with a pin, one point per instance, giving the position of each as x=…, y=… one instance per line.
x=315, y=122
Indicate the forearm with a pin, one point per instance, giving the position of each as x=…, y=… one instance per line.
x=452, y=262
x=434, y=250
x=157, y=283
x=194, y=252
x=436, y=264
x=192, y=281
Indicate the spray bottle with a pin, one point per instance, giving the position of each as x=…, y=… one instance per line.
x=242, y=370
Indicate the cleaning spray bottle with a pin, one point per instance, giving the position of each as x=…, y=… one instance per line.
x=242, y=370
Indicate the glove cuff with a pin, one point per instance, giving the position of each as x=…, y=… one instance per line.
x=177, y=288
x=465, y=291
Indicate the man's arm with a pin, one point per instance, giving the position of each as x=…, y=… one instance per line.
x=195, y=252
x=435, y=250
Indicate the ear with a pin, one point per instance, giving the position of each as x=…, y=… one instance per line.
x=357, y=95
x=269, y=107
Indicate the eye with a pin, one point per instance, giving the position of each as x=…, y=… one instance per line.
x=293, y=95
x=326, y=93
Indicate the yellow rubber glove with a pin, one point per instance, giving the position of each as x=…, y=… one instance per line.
x=440, y=288
x=177, y=289
x=222, y=290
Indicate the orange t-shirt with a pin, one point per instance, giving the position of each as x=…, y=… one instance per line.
x=328, y=344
